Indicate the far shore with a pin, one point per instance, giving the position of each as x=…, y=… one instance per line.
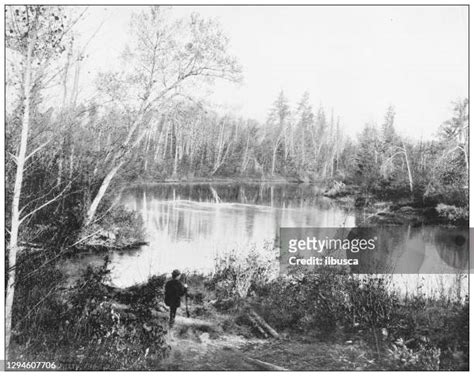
x=243, y=180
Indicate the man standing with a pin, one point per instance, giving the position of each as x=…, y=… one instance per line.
x=174, y=290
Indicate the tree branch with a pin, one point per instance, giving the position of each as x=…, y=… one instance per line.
x=45, y=204
x=37, y=150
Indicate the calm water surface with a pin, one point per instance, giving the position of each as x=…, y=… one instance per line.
x=188, y=225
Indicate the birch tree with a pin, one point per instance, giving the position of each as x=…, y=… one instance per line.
x=277, y=126
x=401, y=150
x=305, y=116
x=455, y=132
x=34, y=37
x=166, y=58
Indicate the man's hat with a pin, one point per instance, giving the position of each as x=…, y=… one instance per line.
x=175, y=273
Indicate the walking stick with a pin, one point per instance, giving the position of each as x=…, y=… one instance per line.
x=186, y=296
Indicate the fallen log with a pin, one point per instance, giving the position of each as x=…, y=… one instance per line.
x=260, y=364
x=264, y=365
x=257, y=326
x=190, y=322
x=264, y=324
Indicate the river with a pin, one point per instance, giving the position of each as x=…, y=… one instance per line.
x=189, y=225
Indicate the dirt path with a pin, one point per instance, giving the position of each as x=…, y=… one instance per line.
x=203, y=353
x=198, y=350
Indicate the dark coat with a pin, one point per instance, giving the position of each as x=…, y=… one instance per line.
x=174, y=290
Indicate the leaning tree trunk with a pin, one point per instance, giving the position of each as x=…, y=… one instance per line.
x=118, y=162
x=410, y=177
x=15, y=220
x=98, y=197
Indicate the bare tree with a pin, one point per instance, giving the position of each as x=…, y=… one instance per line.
x=34, y=37
x=277, y=127
x=456, y=132
x=166, y=57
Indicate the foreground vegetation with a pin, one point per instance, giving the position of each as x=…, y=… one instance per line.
x=356, y=322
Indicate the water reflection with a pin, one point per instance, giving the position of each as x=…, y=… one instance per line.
x=408, y=249
x=189, y=225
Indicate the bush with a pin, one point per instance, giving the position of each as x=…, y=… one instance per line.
x=440, y=324
x=453, y=213
x=126, y=225
x=424, y=358
x=238, y=273
x=36, y=307
x=313, y=301
x=118, y=337
x=371, y=303
x=149, y=293
x=436, y=331
x=327, y=301
x=85, y=328
x=118, y=228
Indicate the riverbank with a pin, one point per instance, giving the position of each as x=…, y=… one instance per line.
x=400, y=209
x=265, y=329
x=241, y=318
x=407, y=212
x=326, y=322
x=277, y=179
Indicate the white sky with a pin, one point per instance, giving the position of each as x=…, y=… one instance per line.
x=356, y=60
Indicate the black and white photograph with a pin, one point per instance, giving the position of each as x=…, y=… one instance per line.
x=238, y=187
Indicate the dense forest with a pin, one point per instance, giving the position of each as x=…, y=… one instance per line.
x=67, y=155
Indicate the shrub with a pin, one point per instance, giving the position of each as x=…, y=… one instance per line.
x=124, y=335
x=368, y=309
x=438, y=323
x=85, y=328
x=453, y=213
x=36, y=308
x=239, y=273
x=371, y=303
x=312, y=301
x=126, y=225
x=424, y=358
x=149, y=293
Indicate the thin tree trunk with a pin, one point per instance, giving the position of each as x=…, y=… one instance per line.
x=60, y=167
x=245, y=156
x=215, y=195
x=71, y=162
x=165, y=148
x=222, y=151
x=220, y=145
x=66, y=74
x=466, y=159
x=103, y=188
x=275, y=149
x=147, y=145
x=175, y=163
x=303, y=146
x=118, y=161
x=75, y=90
x=410, y=178
x=20, y=161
